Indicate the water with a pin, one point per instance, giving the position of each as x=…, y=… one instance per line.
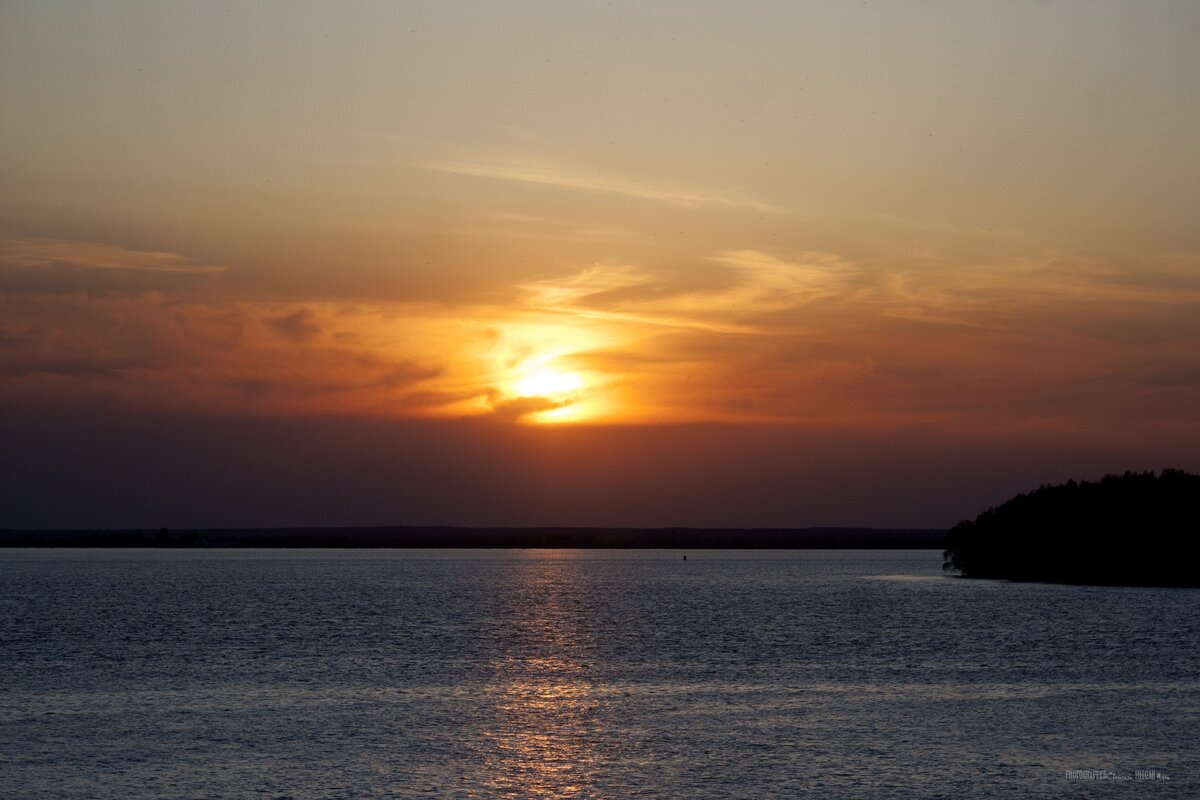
x=351, y=674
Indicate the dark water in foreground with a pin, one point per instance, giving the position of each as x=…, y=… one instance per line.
x=330, y=674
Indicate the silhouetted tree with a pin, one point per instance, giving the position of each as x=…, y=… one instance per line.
x=1134, y=528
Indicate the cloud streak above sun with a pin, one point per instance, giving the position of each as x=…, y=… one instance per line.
x=562, y=176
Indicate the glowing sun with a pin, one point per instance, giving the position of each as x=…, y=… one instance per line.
x=561, y=387
x=562, y=392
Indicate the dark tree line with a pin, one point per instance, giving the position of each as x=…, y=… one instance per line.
x=404, y=536
x=1135, y=529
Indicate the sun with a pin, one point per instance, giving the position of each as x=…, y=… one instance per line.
x=562, y=392
x=561, y=387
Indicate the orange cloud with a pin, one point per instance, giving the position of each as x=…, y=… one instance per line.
x=811, y=339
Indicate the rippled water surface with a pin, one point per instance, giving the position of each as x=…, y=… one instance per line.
x=331, y=674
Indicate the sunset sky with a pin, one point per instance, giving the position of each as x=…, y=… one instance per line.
x=591, y=263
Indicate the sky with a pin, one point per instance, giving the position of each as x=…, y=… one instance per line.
x=591, y=263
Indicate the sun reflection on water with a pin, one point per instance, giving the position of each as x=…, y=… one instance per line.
x=545, y=733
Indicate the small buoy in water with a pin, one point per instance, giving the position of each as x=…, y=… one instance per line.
x=685, y=558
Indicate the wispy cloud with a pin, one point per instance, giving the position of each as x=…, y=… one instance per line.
x=736, y=296
x=565, y=176
x=32, y=253
x=769, y=282
x=624, y=295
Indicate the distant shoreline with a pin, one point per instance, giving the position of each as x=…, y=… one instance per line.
x=489, y=538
